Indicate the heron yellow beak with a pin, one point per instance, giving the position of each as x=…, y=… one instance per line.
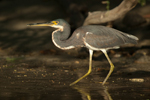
x=52, y=23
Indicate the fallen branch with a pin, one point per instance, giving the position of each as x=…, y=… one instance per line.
x=99, y=17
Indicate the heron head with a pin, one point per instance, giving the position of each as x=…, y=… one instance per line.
x=58, y=23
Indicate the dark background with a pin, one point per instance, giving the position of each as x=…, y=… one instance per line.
x=16, y=37
x=32, y=68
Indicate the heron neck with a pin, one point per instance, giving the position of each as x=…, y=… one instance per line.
x=61, y=38
x=64, y=35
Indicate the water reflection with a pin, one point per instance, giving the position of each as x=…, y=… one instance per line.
x=91, y=92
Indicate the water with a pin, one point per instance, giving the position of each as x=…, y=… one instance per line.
x=24, y=82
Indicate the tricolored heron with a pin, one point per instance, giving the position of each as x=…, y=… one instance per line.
x=93, y=37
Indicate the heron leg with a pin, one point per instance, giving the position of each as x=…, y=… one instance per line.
x=111, y=66
x=89, y=71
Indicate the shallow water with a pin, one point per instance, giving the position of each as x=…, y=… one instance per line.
x=38, y=81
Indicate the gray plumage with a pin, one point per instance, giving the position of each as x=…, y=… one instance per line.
x=100, y=37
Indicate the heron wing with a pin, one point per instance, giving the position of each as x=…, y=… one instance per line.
x=100, y=42
x=104, y=37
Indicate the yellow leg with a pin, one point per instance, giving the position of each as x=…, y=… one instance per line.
x=89, y=71
x=111, y=67
x=83, y=92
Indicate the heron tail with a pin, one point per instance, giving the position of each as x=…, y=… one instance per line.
x=130, y=38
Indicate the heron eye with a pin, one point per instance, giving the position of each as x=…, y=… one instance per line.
x=55, y=22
